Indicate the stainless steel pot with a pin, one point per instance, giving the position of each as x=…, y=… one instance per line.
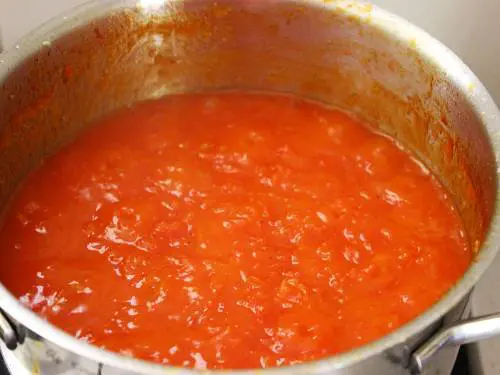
x=360, y=58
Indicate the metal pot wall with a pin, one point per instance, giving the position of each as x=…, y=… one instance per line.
x=357, y=57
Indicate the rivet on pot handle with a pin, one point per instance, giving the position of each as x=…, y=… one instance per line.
x=461, y=333
x=7, y=332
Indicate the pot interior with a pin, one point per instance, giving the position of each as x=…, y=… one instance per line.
x=317, y=50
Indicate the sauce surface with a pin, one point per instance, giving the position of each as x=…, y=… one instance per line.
x=231, y=231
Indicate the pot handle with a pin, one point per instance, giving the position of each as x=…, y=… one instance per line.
x=460, y=333
x=7, y=333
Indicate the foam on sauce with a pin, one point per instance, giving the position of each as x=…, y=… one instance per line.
x=231, y=231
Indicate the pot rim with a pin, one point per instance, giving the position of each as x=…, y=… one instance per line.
x=402, y=30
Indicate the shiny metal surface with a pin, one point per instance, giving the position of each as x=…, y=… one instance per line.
x=351, y=55
x=7, y=333
x=460, y=333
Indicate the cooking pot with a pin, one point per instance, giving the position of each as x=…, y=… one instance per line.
x=352, y=55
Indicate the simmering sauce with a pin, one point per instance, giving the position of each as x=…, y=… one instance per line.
x=231, y=231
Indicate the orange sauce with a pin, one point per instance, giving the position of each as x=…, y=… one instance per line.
x=231, y=231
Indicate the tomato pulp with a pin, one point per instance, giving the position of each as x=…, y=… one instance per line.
x=231, y=230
